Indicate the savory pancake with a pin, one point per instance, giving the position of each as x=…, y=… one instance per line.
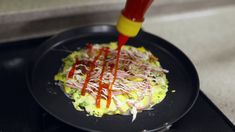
x=87, y=74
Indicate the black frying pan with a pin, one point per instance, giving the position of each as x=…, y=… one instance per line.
x=46, y=62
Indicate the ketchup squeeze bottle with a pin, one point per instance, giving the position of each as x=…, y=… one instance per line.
x=131, y=19
x=128, y=25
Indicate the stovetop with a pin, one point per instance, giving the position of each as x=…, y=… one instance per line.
x=20, y=113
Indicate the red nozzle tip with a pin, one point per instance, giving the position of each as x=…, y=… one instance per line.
x=122, y=39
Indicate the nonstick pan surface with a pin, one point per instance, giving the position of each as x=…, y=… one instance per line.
x=47, y=60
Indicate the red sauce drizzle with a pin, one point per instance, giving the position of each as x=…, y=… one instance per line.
x=106, y=50
x=89, y=47
x=72, y=70
x=114, y=78
x=92, y=66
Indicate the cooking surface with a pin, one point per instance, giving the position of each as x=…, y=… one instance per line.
x=19, y=111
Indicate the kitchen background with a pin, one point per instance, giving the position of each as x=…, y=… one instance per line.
x=203, y=29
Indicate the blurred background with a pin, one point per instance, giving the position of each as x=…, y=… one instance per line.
x=203, y=29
